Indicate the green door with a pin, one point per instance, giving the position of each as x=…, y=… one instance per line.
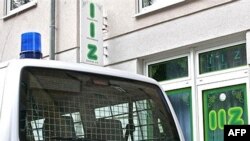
x=226, y=105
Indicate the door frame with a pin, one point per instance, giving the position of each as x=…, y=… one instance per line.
x=215, y=85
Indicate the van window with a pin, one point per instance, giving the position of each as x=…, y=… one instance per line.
x=76, y=106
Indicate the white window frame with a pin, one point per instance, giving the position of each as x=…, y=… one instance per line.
x=78, y=126
x=37, y=129
x=178, y=82
x=217, y=79
x=158, y=5
x=214, y=86
x=199, y=82
x=9, y=12
x=219, y=72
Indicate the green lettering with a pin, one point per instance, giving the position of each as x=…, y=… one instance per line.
x=235, y=116
x=212, y=120
x=92, y=10
x=92, y=52
x=92, y=29
x=222, y=118
x=236, y=54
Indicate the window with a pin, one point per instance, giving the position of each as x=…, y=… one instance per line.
x=172, y=69
x=17, y=3
x=181, y=100
x=150, y=5
x=68, y=105
x=37, y=128
x=15, y=6
x=221, y=59
x=76, y=117
x=141, y=113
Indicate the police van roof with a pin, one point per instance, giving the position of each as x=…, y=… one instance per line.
x=19, y=64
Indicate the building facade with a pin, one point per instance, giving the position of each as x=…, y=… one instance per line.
x=198, y=50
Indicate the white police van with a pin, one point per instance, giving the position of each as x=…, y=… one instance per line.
x=43, y=100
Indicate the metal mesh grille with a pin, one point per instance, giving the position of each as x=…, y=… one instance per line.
x=95, y=113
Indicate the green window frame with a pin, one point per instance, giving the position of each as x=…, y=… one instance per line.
x=181, y=100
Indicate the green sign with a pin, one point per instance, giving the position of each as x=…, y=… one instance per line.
x=223, y=106
x=92, y=30
x=91, y=53
x=92, y=48
x=91, y=40
x=92, y=10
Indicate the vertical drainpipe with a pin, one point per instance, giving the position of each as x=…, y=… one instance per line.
x=52, y=30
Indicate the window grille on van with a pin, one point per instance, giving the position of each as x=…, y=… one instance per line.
x=58, y=105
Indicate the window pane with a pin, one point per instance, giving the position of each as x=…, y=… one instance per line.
x=75, y=105
x=156, y=4
x=37, y=126
x=18, y=3
x=146, y=3
x=222, y=58
x=168, y=70
x=220, y=107
x=182, y=104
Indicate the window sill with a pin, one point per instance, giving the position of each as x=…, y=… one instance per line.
x=20, y=9
x=154, y=8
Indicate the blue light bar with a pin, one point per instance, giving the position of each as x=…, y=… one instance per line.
x=31, y=45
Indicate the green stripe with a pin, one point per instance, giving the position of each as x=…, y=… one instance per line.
x=92, y=10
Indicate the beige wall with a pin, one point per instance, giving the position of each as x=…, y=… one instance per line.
x=122, y=17
x=67, y=24
x=129, y=36
x=37, y=19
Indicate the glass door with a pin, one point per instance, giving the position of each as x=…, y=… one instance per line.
x=222, y=103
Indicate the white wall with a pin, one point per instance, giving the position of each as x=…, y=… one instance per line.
x=130, y=66
x=196, y=28
x=129, y=36
x=37, y=19
x=122, y=17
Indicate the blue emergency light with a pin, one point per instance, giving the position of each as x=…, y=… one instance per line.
x=31, y=45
